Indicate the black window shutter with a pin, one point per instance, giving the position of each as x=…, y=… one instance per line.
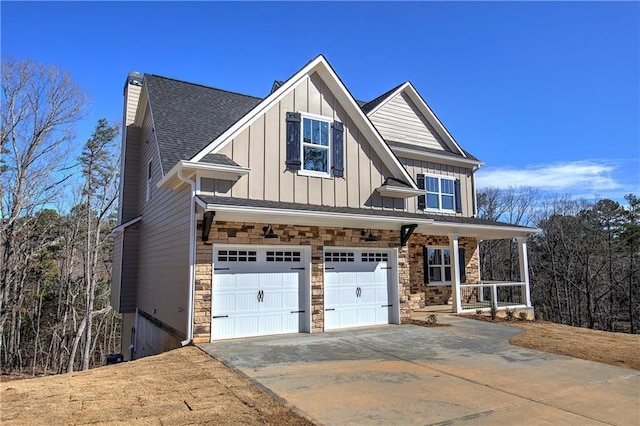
x=458, y=196
x=462, y=263
x=425, y=263
x=422, y=199
x=293, y=141
x=338, y=149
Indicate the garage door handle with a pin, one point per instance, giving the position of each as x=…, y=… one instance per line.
x=330, y=309
x=219, y=316
x=358, y=292
x=260, y=296
x=297, y=312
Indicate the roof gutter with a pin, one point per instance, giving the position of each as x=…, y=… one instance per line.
x=192, y=249
x=214, y=169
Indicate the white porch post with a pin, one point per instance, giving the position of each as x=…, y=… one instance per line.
x=524, y=266
x=455, y=273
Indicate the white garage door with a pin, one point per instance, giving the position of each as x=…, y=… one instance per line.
x=358, y=290
x=257, y=292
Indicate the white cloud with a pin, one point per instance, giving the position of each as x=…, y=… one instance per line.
x=579, y=178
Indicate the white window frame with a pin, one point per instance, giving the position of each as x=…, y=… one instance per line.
x=329, y=122
x=442, y=265
x=149, y=178
x=440, y=194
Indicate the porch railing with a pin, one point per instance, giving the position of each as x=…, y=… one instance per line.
x=483, y=295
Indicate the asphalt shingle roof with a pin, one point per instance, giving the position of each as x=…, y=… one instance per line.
x=242, y=202
x=369, y=106
x=189, y=116
x=219, y=159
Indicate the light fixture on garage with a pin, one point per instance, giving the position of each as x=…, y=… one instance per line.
x=267, y=231
x=370, y=238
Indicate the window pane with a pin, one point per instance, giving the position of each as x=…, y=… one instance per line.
x=435, y=274
x=306, y=130
x=447, y=256
x=447, y=202
x=432, y=201
x=435, y=257
x=324, y=133
x=315, y=131
x=447, y=186
x=447, y=273
x=315, y=159
x=431, y=184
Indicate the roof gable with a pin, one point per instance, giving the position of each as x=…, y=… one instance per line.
x=437, y=136
x=188, y=116
x=320, y=67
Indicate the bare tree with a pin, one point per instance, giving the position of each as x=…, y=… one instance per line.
x=40, y=107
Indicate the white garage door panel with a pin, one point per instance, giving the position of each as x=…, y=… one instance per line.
x=255, y=292
x=357, y=288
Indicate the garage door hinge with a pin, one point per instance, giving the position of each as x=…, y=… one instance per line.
x=297, y=269
x=297, y=312
x=387, y=306
x=330, y=309
x=219, y=316
x=386, y=267
x=329, y=268
x=220, y=269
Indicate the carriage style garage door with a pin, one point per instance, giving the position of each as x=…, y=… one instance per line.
x=258, y=291
x=359, y=288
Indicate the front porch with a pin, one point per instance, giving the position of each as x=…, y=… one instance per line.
x=467, y=292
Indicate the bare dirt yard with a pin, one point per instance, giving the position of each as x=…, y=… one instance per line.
x=619, y=349
x=180, y=387
x=187, y=386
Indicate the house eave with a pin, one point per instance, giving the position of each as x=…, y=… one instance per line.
x=190, y=168
x=430, y=156
x=397, y=192
x=428, y=226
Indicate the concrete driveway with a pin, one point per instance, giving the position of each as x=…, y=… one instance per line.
x=466, y=373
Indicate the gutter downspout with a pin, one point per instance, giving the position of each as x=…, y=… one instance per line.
x=192, y=248
x=474, y=169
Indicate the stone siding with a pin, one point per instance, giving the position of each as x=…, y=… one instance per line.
x=413, y=293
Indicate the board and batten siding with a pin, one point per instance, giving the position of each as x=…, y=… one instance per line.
x=262, y=148
x=416, y=167
x=399, y=120
x=163, y=240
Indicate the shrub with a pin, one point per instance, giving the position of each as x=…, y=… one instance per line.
x=510, y=314
x=494, y=312
x=523, y=315
x=431, y=319
x=478, y=311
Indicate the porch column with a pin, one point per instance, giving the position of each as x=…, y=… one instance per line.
x=455, y=272
x=524, y=266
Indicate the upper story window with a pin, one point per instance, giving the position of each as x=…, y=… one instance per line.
x=314, y=145
x=442, y=193
x=149, y=173
x=316, y=151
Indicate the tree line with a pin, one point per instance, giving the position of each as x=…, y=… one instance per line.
x=583, y=263
x=55, y=267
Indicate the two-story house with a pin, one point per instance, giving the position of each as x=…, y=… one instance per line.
x=302, y=212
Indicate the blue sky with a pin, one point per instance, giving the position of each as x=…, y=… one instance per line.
x=547, y=94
